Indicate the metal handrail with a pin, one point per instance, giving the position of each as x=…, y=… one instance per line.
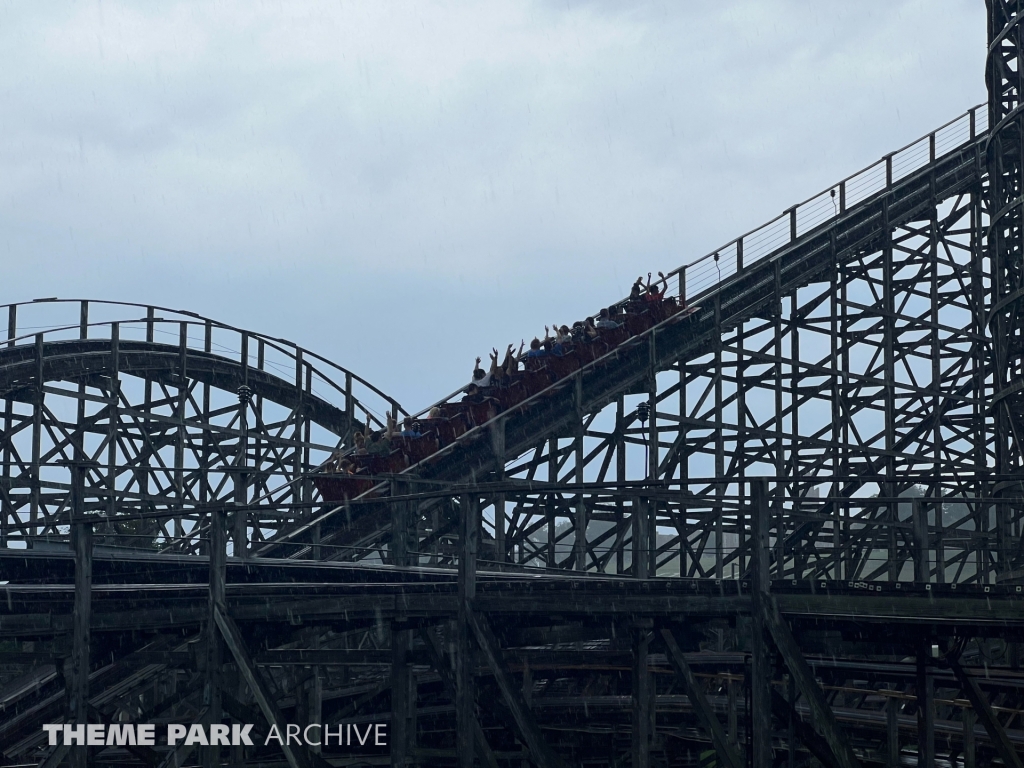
x=284, y=346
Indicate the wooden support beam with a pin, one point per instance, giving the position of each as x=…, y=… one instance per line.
x=54, y=759
x=434, y=652
x=701, y=706
x=78, y=699
x=760, y=669
x=529, y=731
x=816, y=745
x=641, y=536
x=925, y=707
x=177, y=757
x=403, y=698
x=261, y=692
x=465, y=697
x=919, y=525
x=822, y=716
x=215, y=600
x=984, y=713
x=970, y=756
x=399, y=546
x=643, y=699
x=892, y=731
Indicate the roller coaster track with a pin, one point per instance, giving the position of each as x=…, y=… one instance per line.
x=804, y=246
x=161, y=427
x=831, y=375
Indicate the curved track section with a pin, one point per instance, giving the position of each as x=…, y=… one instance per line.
x=148, y=417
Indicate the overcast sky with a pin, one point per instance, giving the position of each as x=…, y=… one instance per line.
x=401, y=186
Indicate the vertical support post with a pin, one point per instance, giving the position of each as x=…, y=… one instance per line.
x=498, y=444
x=792, y=224
x=919, y=521
x=316, y=693
x=925, y=707
x=760, y=684
x=969, y=719
x=641, y=539
x=113, y=422
x=732, y=692
x=719, y=442
x=643, y=695
x=216, y=601
x=399, y=548
x=81, y=536
x=620, y=477
x=37, y=438
x=6, y=508
x=552, y=560
x=580, y=539
x=180, y=409
x=350, y=411
x=465, y=716
x=402, y=697
x=239, y=524
x=892, y=732
x=791, y=724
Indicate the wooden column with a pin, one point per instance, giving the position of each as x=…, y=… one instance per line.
x=760, y=670
x=892, y=731
x=81, y=542
x=643, y=699
x=212, y=688
x=402, y=697
x=641, y=538
x=465, y=715
x=970, y=719
x=919, y=522
x=402, y=680
x=925, y=707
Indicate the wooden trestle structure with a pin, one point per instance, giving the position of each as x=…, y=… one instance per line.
x=808, y=551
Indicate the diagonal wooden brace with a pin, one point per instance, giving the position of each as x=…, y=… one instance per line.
x=233, y=640
x=822, y=716
x=984, y=713
x=701, y=706
x=542, y=754
x=437, y=660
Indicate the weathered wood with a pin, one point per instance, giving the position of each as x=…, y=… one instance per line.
x=403, y=693
x=970, y=756
x=465, y=697
x=643, y=691
x=706, y=715
x=760, y=665
x=822, y=716
x=983, y=712
x=442, y=668
x=892, y=731
x=925, y=708
x=525, y=722
x=78, y=700
x=215, y=602
x=296, y=758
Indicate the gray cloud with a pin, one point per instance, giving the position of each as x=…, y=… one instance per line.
x=455, y=174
